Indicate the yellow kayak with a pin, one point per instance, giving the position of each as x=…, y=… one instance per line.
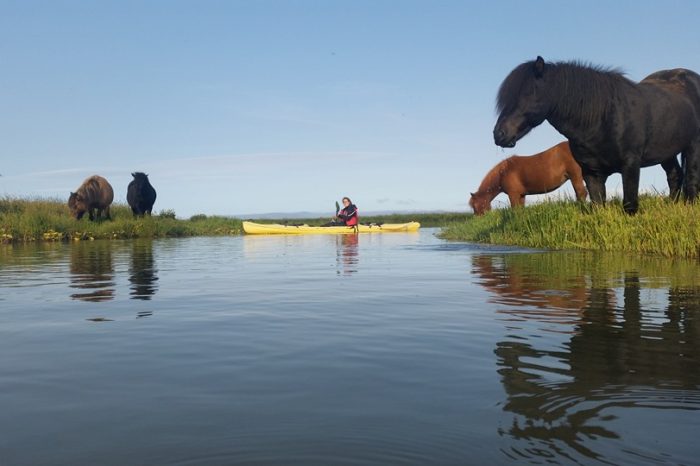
x=252, y=228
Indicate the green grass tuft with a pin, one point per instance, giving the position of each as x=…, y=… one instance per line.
x=661, y=226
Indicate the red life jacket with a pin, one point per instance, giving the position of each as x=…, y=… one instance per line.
x=352, y=221
x=350, y=215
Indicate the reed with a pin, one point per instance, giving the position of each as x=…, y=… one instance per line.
x=24, y=220
x=661, y=226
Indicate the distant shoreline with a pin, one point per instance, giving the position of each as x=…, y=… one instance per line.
x=662, y=227
x=36, y=220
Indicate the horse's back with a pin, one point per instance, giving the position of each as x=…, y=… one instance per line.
x=676, y=76
x=566, y=157
x=678, y=80
x=98, y=190
x=546, y=171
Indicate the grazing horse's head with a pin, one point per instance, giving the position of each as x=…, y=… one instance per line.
x=522, y=102
x=77, y=205
x=480, y=202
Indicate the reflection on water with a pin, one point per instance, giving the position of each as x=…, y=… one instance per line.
x=442, y=353
x=614, y=361
x=143, y=273
x=526, y=293
x=347, y=253
x=92, y=271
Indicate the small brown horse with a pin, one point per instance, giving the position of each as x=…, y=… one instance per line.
x=94, y=196
x=519, y=176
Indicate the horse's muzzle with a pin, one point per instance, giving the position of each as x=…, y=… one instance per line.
x=501, y=138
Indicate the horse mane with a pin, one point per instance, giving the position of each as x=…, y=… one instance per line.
x=577, y=90
x=492, y=180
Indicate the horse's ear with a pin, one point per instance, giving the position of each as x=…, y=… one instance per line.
x=472, y=194
x=539, y=67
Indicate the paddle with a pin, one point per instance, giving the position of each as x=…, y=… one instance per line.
x=334, y=220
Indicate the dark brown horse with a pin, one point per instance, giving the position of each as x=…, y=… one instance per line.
x=518, y=176
x=94, y=196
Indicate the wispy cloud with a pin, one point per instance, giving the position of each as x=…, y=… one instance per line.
x=214, y=164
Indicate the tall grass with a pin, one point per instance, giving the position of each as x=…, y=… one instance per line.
x=661, y=226
x=23, y=220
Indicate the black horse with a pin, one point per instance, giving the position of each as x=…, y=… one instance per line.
x=140, y=194
x=613, y=124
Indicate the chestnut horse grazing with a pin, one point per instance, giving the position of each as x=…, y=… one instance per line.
x=94, y=196
x=519, y=176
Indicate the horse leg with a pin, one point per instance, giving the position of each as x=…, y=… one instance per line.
x=630, y=187
x=108, y=215
x=595, y=182
x=579, y=187
x=692, y=170
x=517, y=199
x=674, y=176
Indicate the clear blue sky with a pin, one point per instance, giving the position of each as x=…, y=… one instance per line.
x=239, y=107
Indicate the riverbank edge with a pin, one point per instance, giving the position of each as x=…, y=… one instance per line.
x=661, y=227
x=37, y=220
x=45, y=220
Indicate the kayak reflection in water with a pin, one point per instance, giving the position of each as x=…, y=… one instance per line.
x=347, y=254
x=347, y=216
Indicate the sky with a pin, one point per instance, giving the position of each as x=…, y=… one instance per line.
x=248, y=107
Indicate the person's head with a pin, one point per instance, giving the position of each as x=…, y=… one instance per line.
x=346, y=201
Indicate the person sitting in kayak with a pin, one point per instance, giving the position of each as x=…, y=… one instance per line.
x=348, y=214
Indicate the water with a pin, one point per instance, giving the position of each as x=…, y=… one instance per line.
x=385, y=349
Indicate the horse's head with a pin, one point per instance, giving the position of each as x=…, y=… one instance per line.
x=522, y=102
x=77, y=205
x=480, y=203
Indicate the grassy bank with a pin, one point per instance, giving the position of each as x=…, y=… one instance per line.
x=662, y=227
x=23, y=220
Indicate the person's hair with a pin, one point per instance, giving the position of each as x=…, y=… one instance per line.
x=347, y=199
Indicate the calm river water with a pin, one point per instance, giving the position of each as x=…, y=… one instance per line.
x=383, y=349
